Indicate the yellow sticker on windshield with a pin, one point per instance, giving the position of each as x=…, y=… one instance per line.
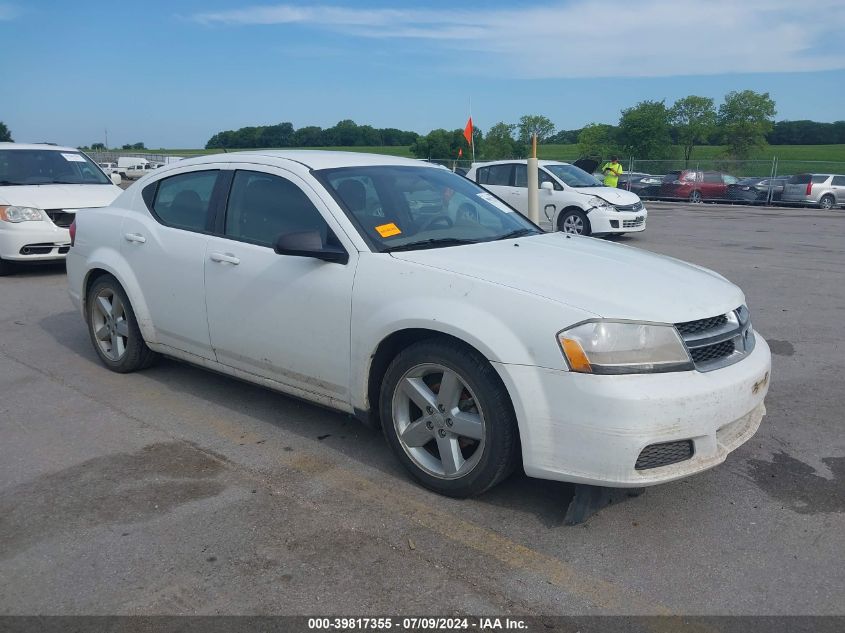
x=388, y=230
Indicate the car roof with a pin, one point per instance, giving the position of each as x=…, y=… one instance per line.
x=521, y=161
x=313, y=159
x=47, y=146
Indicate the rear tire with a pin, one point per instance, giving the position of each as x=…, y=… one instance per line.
x=827, y=202
x=574, y=222
x=695, y=197
x=113, y=328
x=448, y=418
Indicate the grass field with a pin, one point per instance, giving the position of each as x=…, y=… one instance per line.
x=827, y=153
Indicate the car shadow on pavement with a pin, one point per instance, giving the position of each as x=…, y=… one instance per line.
x=35, y=270
x=546, y=500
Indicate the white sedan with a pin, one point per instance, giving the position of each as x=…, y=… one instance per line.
x=572, y=199
x=415, y=300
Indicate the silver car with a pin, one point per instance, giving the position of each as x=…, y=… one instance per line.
x=826, y=191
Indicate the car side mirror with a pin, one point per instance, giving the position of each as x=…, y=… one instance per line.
x=116, y=179
x=310, y=244
x=547, y=186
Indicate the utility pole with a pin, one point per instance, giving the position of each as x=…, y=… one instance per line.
x=107, y=138
x=534, y=183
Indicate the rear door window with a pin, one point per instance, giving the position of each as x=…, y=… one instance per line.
x=838, y=181
x=183, y=201
x=495, y=175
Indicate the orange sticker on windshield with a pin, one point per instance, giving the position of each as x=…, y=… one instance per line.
x=388, y=230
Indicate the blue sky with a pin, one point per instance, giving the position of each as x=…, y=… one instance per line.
x=173, y=73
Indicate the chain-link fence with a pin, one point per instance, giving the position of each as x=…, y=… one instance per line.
x=716, y=179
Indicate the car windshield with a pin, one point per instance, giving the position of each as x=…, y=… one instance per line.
x=48, y=167
x=406, y=207
x=573, y=176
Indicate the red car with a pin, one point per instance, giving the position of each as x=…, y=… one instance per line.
x=695, y=186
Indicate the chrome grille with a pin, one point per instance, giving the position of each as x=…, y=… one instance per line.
x=632, y=224
x=692, y=327
x=637, y=206
x=718, y=341
x=657, y=455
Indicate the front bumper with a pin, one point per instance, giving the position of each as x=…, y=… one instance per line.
x=33, y=241
x=603, y=222
x=591, y=429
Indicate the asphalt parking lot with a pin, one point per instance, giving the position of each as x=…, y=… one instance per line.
x=179, y=491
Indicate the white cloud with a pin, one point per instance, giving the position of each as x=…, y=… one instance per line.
x=589, y=39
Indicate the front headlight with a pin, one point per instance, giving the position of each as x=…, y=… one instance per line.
x=600, y=203
x=21, y=214
x=618, y=347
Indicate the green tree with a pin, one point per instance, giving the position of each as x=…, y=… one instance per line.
x=280, y=135
x=5, y=133
x=500, y=143
x=644, y=130
x=535, y=124
x=745, y=118
x=98, y=146
x=694, y=119
x=440, y=144
x=597, y=140
x=308, y=136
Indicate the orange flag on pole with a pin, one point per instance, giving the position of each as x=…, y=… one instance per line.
x=468, y=131
x=460, y=152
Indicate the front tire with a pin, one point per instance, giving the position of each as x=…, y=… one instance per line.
x=827, y=202
x=114, y=329
x=574, y=222
x=448, y=418
x=695, y=197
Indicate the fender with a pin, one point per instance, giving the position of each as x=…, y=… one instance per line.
x=107, y=259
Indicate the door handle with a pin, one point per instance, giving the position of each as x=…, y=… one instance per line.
x=226, y=258
x=135, y=237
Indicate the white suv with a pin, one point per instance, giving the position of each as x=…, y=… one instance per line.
x=571, y=198
x=41, y=189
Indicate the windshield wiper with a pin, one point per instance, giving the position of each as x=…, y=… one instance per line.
x=517, y=233
x=432, y=243
x=9, y=183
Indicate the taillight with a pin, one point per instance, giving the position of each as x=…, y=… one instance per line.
x=810, y=187
x=72, y=230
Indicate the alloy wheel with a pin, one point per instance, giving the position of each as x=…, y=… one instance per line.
x=573, y=224
x=438, y=421
x=109, y=324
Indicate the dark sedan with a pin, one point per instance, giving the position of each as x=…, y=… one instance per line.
x=644, y=185
x=756, y=190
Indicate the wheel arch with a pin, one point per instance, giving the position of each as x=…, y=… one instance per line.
x=98, y=267
x=388, y=348
x=570, y=207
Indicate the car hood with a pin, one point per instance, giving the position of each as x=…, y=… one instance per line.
x=619, y=197
x=605, y=279
x=59, y=196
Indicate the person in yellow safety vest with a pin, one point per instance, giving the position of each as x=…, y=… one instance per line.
x=611, y=171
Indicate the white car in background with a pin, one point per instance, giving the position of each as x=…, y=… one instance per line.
x=41, y=189
x=572, y=199
x=410, y=297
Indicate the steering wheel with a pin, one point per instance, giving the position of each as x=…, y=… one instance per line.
x=440, y=217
